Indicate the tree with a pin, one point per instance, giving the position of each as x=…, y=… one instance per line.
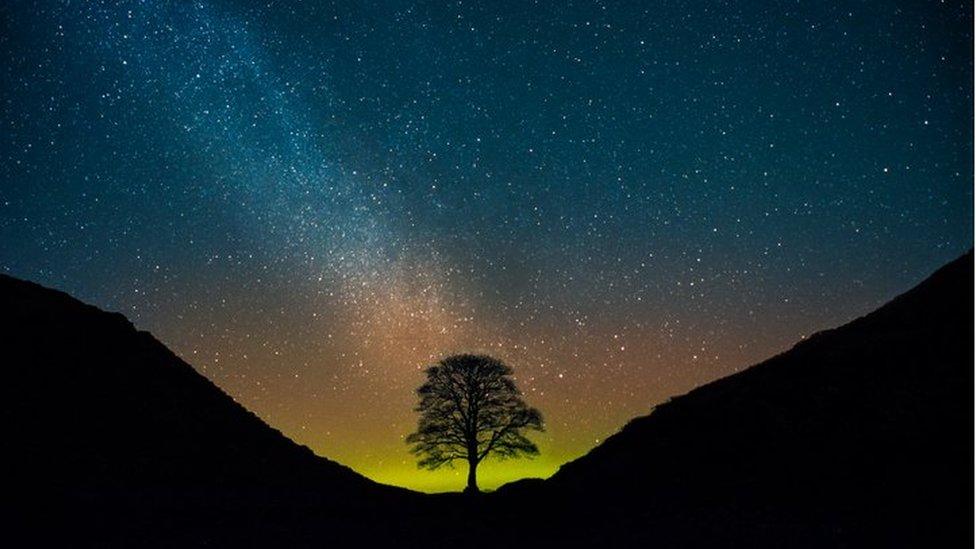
x=470, y=409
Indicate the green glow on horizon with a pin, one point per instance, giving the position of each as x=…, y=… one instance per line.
x=390, y=462
x=491, y=474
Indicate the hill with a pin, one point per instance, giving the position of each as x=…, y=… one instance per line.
x=115, y=440
x=858, y=436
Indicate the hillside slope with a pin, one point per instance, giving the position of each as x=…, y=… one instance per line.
x=858, y=436
x=114, y=435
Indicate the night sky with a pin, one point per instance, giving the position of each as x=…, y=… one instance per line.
x=310, y=202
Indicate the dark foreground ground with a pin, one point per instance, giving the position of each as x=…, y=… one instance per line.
x=861, y=436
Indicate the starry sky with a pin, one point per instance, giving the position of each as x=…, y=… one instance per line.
x=312, y=201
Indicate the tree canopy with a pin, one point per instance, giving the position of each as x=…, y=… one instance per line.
x=470, y=409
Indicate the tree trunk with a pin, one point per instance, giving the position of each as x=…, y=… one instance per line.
x=472, y=487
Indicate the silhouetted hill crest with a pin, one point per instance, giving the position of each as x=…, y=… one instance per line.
x=116, y=392
x=857, y=436
x=847, y=432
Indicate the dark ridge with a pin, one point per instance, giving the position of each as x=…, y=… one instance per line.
x=106, y=419
x=860, y=435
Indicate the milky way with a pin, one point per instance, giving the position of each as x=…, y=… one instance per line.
x=310, y=202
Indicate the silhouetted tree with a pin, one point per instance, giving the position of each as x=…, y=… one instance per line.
x=470, y=409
